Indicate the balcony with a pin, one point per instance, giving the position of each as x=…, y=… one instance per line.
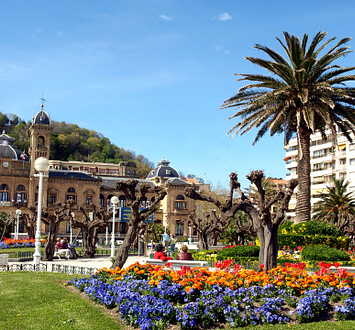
x=5, y=203
x=181, y=211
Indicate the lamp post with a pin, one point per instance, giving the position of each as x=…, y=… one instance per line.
x=114, y=202
x=71, y=230
x=41, y=165
x=18, y=213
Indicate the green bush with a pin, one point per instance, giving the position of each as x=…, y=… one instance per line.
x=293, y=241
x=311, y=227
x=245, y=251
x=324, y=253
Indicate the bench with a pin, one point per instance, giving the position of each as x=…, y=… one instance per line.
x=60, y=252
x=4, y=259
x=176, y=264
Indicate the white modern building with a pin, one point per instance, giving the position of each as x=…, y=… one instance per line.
x=327, y=161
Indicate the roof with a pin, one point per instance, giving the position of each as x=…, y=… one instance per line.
x=7, y=148
x=163, y=170
x=178, y=181
x=41, y=118
x=71, y=175
x=110, y=182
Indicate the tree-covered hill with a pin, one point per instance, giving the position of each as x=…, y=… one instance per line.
x=71, y=142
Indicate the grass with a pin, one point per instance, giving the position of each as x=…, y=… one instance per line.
x=41, y=301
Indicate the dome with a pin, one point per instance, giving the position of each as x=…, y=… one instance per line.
x=163, y=170
x=41, y=118
x=7, y=148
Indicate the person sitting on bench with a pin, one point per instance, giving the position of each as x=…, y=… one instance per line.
x=159, y=254
x=184, y=255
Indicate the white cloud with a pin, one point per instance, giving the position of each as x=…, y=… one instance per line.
x=166, y=18
x=59, y=33
x=225, y=17
x=222, y=49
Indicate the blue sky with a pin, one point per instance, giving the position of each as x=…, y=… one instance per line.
x=151, y=75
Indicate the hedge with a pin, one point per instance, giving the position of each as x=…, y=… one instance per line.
x=324, y=253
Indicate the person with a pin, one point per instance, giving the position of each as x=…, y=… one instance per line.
x=184, y=255
x=172, y=243
x=65, y=243
x=159, y=254
x=59, y=244
x=166, y=239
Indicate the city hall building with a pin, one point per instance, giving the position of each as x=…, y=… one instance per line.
x=85, y=183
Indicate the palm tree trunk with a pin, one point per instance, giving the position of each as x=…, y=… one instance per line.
x=303, y=201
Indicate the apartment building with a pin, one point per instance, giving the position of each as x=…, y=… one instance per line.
x=327, y=161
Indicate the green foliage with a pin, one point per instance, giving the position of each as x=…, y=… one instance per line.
x=311, y=233
x=293, y=241
x=324, y=253
x=245, y=251
x=69, y=142
x=311, y=227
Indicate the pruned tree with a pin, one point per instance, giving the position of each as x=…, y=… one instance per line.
x=265, y=222
x=239, y=228
x=29, y=220
x=134, y=197
x=60, y=214
x=213, y=224
x=90, y=228
x=5, y=222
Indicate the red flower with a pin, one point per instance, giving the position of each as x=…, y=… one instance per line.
x=336, y=264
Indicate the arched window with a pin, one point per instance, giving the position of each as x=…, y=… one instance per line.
x=179, y=205
x=20, y=196
x=179, y=228
x=109, y=200
x=102, y=200
x=40, y=141
x=4, y=193
x=71, y=196
x=122, y=201
x=21, y=187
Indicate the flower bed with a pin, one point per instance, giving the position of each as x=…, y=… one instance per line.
x=8, y=243
x=152, y=297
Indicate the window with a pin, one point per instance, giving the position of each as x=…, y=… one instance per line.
x=21, y=187
x=123, y=228
x=102, y=200
x=144, y=203
x=88, y=200
x=179, y=205
x=71, y=197
x=352, y=147
x=4, y=194
x=342, y=161
x=168, y=172
x=179, y=229
x=122, y=201
x=152, y=200
x=71, y=190
x=52, y=198
x=318, y=179
x=352, y=161
x=21, y=197
x=67, y=227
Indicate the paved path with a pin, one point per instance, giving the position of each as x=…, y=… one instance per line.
x=98, y=262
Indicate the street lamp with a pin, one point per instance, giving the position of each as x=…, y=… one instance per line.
x=71, y=229
x=18, y=213
x=41, y=165
x=114, y=202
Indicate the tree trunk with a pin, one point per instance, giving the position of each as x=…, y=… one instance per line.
x=203, y=242
x=30, y=232
x=122, y=253
x=268, y=247
x=51, y=241
x=88, y=251
x=303, y=202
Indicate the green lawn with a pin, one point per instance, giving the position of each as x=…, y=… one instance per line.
x=41, y=301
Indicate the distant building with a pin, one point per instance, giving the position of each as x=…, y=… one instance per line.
x=85, y=183
x=327, y=162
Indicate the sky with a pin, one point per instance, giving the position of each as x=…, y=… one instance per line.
x=151, y=75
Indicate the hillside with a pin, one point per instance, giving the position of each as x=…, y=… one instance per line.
x=71, y=142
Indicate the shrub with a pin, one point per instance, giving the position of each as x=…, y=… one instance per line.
x=311, y=227
x=244, y=251
x=324, y=253
x=292, y=241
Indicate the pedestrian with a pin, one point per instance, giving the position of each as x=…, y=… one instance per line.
x=172, y=243
x=166, y=239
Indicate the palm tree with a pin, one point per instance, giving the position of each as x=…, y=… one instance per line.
x=303, y=95
x=336, y=205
